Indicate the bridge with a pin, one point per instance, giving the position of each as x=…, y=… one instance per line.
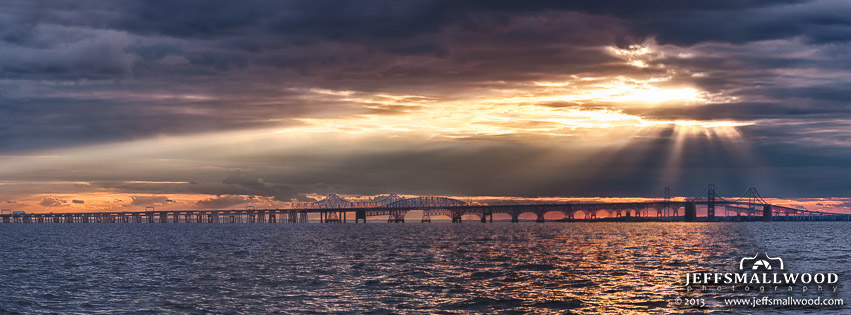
x=335, y=209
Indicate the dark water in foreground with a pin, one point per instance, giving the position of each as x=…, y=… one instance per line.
x=395, y=268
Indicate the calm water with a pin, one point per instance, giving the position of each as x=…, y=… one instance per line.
x=393, y=268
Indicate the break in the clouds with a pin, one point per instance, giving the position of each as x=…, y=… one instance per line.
x=221, y=103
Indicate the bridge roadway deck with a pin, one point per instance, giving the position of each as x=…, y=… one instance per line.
x=396, y=213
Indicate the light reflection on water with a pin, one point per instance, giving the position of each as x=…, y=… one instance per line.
x=584, y=268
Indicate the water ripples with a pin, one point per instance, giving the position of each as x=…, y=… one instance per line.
x=583, y=268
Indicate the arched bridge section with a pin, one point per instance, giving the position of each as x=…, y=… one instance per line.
x=430, y=205
x=426, y=202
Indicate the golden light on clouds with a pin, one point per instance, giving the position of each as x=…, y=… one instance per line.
x=546, y=108
x=619, y=91
x=566, y=106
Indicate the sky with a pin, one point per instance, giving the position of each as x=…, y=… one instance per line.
x=122, y=105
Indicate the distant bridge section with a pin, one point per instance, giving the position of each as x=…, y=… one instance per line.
x=335, y=209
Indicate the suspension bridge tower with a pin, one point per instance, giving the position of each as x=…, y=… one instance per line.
x=710, y=202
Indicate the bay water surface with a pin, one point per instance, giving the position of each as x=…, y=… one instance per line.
x=582, y=268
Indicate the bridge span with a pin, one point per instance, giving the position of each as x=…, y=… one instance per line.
x=334, y=209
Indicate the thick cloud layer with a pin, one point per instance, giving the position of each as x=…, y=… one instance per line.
x=280, y=99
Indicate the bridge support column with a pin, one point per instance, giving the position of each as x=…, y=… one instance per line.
x=710, y=203
x=540, y=218
x=332, y=217
x=691, y=212
x=486, y=216
x=766, y=213
x=456, y=218
x=396, y=217
x=360, y=215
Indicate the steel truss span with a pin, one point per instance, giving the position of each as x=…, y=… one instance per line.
x=335, y=209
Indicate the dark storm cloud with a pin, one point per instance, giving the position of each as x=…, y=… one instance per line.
x=227, y=35
x=89, y=72
x=238, y=178
x=819, y=22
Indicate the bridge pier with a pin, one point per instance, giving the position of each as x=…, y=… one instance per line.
x=332, y=217
x=396, y=217
x=766, y=213
x=710, y=203
x=486, y=216
x=360, y=215
x=691, y=211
